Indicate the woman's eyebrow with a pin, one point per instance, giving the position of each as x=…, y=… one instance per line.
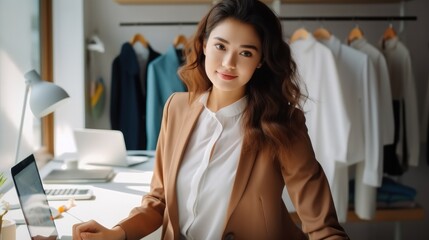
x=243, y=46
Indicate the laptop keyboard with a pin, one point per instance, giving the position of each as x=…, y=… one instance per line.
x=68, y=193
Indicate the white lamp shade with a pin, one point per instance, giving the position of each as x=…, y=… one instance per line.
x=45, y=97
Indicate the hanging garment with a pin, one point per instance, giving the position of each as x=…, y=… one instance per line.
x=425, y=115
x=126, y=98
x=392, y=164
x=384, y=87
x=404, y=90
x=360, y=90
x=325, y=110
x=97, y=93
x=327, y=120
x=162, y=81
x=98, y=98
x=365, y=187
x=145, y=55
x=425, y=123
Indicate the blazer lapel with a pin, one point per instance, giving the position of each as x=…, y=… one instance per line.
x=188, y=121
x=245, y=166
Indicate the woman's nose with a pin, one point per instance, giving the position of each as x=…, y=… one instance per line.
x=229, y=61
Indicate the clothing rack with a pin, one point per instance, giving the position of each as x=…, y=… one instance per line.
x=299, y=18
x=350, y=18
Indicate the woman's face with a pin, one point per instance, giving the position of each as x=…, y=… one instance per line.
x=233, y=52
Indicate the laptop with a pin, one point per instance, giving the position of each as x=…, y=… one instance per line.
x=104, y=147
x=32, y=199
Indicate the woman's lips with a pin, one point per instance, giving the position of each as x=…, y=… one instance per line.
x=226, y=76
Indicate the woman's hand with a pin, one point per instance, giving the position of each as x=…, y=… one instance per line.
x=92, y=230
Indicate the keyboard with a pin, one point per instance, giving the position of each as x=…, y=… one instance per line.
x=68, y=193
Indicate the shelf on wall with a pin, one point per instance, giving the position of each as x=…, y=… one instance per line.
x=267, y=1
x=299, y=18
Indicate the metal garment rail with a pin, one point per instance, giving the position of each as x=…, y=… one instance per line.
x=299, y=18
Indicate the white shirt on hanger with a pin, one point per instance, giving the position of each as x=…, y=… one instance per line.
x=367, y=177
x=360, y=88
x=325, y=111
x=404, y=88
x=386, y=114
x=382, y=73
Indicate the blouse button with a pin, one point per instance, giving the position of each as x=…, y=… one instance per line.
x=229, y=236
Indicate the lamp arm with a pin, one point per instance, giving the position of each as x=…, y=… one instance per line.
x=27, y=89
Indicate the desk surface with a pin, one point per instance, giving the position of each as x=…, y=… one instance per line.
x=113, y=200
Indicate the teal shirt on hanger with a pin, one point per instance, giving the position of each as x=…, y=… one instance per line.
x=162, y=81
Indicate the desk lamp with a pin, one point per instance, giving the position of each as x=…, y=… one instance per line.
x=45, y=97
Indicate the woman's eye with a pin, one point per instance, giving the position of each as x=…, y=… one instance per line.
x=246, y=54
x=220, y=46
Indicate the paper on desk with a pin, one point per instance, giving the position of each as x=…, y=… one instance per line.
x=132, y=182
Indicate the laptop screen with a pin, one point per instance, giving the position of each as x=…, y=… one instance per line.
x=32, y=199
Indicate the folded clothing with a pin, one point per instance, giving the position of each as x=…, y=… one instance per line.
x=392, y=187
x=390, y=193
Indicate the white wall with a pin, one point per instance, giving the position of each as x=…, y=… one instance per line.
x=68, y=48
x=104, y=17
x=18, y=54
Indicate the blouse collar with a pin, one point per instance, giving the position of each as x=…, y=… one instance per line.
x=231, y=110
x=303, y=45
x=390, y=44
x=358, y=43
x=334, y=44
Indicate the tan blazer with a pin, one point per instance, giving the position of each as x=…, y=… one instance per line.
x=256, y=209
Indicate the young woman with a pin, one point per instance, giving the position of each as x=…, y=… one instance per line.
x=229, y=146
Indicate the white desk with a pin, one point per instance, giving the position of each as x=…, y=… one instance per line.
x=113, y=200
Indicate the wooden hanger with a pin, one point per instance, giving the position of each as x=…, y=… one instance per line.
x=321, y=34
x=389, y=33
x=300, y=33
x=180, y=40
x=139, y=38
x=355, y=33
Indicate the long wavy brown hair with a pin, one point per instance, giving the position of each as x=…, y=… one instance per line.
x=273, y=92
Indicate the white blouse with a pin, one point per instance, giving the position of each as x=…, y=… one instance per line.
x=207, y=173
